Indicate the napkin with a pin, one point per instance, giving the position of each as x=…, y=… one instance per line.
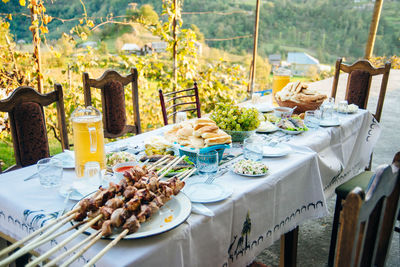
x=199, y=208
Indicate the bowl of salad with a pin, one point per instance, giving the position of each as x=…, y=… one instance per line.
x=250, y=168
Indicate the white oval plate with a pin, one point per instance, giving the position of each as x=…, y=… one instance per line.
x=291, y=132
x=178, y=208
x=280, y=150
x=268, y=131
x=249, y=175
x=206, y=193
x=329, y=123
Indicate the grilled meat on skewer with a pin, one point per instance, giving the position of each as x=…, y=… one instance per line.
x=115, y=203
x=132, y=224
x=130, y=192
x=106, y=229
x=133, y=204
x=119, y=216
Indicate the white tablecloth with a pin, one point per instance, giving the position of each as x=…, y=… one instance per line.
x=259, y=211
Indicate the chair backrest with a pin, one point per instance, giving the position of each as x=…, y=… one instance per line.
x=359, y=83
x=367, y=221
x=112, y=86
x=176, y=99
x=28, y=125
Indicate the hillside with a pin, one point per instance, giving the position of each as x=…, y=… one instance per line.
x=324, y=28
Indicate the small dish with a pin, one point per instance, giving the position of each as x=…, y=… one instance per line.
x=67, y=158
x=206, y=193
x=75, y=195
x=279, y=150
x=120, y=168
x=269, y=128
x=283, y=112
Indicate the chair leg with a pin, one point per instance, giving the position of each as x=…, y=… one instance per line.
x=335, y=227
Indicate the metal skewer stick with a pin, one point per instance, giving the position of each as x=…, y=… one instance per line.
x=60, y=245
x=107, y=248
x=35, y=233
x=170, y=167
x=96, y=235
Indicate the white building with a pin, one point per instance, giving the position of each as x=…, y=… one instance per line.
x=300, y=63
x=130, y=48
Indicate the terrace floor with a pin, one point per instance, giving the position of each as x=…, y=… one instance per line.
x=314, y=235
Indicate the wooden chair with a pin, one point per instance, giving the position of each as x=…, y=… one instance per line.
x=367, y=221
x=361, y=181
x=359, y=83
x=28, y=124
x=194, y=104
x=357, y=92
x=112, y=86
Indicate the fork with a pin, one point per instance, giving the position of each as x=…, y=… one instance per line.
x=211, y=179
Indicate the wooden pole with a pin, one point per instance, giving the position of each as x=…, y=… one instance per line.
x=174, y=66
x=253, y=70
x=373, y=29
x=36, y=49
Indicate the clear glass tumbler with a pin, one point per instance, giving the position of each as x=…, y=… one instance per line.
x=50, y=172
x=311, y=119
x=207, y=163
x=252, y=148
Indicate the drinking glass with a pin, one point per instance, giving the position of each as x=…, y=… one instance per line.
x=342, y=107
x=50, y=172
x=181, y=116
x=256, y=98
x=252, y=148
x=207, y=163
x=311, y=119
x=280, y=79
x=327, y=109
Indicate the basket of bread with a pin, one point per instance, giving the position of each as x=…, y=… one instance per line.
x=198, y=136
x=298, y=94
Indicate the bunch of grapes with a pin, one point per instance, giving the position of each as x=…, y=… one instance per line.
x=233, y=118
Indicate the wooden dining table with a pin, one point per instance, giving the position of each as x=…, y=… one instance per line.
x=259, y=211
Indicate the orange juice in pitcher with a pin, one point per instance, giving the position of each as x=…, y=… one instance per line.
x=280, y=79
x=87, y=127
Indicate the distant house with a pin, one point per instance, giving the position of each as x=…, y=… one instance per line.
x=274, y=60
x=301, y=63
x=87, y=44
x=159, y=47
x=130, y=48
x=199, y=47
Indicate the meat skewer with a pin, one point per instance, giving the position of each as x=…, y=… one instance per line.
x=129, y=210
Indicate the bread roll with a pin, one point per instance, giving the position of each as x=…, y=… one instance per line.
x=203, y=120
x=185, y=132
x=218, y=140
x=203, y=124
x=196, y=142
x=206, y=129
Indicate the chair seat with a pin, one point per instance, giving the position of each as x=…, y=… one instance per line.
x=361, y=180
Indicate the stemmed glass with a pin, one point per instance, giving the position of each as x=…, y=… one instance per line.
x=207, y=164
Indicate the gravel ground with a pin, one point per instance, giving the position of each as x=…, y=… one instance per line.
x=314, y=235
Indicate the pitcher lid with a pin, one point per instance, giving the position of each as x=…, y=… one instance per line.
x=87, y=112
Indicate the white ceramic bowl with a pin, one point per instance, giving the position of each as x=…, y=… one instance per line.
x=120, y=168
x=283, y=112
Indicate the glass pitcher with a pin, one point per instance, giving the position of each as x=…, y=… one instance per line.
x=280, y=79
x=87, y=127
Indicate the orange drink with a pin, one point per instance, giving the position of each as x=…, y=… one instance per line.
x=280, y=79
x=88, y=139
